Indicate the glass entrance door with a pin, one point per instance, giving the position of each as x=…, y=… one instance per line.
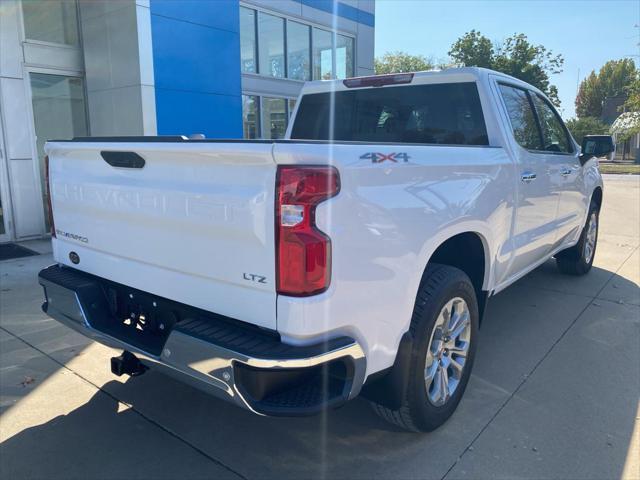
x=58, y=113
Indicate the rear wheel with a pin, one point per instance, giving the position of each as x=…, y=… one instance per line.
x=578, y=259
x=444, y=328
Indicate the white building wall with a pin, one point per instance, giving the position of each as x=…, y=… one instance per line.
x=114, y=59
x=118, y=67
x=365, y=46
x=22, y=197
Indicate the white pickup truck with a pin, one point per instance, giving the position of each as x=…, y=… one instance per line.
x=356, y=256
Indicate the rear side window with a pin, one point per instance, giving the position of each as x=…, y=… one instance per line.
x=448, y=114
x=522, y=117
x=554, y=134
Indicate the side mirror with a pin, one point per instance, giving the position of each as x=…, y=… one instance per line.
x=597, y=146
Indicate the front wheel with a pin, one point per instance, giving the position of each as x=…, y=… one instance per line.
x=578, y=259
x=444, y=328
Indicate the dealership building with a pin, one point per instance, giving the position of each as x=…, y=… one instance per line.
x=222, y=68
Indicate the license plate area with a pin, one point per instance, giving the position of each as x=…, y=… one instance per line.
x=136, y=318
x=142, y=313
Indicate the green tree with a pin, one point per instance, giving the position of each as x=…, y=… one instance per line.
x=517, y=57
x=579, y=127
x=633, y=100
x=401, y=62
x=473, y=49
x=530, y=63
x=590, y=97
x=614, y=78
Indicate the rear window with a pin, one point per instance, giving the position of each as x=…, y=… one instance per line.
x=444, y=113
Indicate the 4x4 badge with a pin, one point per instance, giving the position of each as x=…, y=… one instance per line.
x=377, y=157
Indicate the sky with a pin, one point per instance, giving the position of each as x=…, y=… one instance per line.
x=587, y=33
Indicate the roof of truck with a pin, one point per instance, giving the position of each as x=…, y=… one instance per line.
x=458, y=74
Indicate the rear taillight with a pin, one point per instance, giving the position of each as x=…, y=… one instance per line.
x=48, y=186
x=303, y=251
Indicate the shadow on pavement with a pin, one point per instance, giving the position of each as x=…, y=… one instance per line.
x=102, y=439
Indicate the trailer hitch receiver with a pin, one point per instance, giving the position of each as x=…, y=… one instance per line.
x=128, y=364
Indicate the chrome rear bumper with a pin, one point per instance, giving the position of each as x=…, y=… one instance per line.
x=250, y=368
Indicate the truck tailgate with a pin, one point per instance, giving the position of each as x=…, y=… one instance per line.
x=194, y=224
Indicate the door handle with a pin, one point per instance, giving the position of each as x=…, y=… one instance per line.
x=528, y=177
x=123, y=159
x=566, y=171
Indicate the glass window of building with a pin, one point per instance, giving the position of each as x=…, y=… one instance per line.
x=53, y=21
x=271, y=45
x=322, y=55
x=344, y=56
x=248, y=40
x=292, y=105
x=274, y=117
x=298, y=51
x=250, y=116
x=58, y=112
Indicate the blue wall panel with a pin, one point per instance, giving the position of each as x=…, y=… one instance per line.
x=221, y=14
x=217, y=116
x=196, y=56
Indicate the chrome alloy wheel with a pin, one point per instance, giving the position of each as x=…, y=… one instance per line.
x=447, y=351
x=590, y=241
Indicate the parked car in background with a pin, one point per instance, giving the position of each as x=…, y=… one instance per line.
x=599, y=146
x=354, y=257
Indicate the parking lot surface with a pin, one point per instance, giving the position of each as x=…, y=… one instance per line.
x=554, y=392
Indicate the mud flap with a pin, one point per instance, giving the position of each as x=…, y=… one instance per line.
x=389, y=388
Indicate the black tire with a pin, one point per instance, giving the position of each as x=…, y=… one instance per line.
x=441, y=283
x=576, y=260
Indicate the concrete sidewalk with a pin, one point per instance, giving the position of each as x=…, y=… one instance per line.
x=554, y=393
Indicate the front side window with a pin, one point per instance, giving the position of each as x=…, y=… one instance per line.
x=344, y=56
x=274, y=117
x=322, y=55
x=248, y=40
x=446, y=113
x=299, y=51
x=522, y=118
x=271, y=45
x=554, y=134
x=53, y=21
